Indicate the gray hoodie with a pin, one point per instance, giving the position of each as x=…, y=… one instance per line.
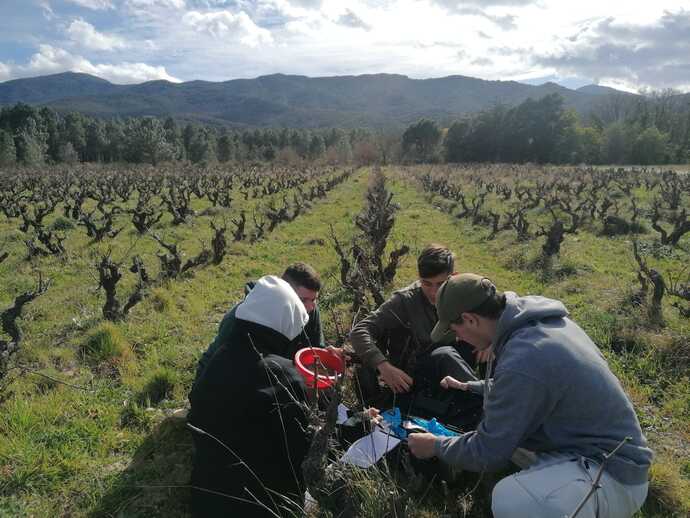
x=552, y=391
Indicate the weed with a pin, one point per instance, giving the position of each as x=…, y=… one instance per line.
x=159, y=386
x=105, y=343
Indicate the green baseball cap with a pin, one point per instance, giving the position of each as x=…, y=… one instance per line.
x=460, y=294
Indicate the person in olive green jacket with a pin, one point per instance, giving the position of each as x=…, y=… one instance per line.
x=394, y=342
x=305, y=281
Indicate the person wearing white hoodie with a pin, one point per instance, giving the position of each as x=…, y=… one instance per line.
x=552, y=393
x=249, y=426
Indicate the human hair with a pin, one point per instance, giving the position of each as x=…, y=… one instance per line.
x=304, y=275
x=491, y=308
x=434, y=260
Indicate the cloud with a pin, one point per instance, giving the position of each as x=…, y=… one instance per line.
x=656, y=55
x=226, y=25
x=505, y=22
x=307, y=4
x=53, y=60
x=482, y=62
x=456, y=4
x=5, y=72
x=350, y=19
x=86, y=35
x=46, y=10
x=175, y=4
x=96, y=5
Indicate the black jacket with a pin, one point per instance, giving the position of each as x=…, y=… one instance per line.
x=312, y=335
x=246, y=398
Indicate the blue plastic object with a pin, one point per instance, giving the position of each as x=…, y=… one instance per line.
x=394, y=419
x=433, y=426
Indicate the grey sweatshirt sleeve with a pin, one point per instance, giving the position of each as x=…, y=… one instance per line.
x=476, y=387
x=516, y=406
x=367, y=332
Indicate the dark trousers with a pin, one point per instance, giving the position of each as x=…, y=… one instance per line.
x=430, y=368
x=447, y=361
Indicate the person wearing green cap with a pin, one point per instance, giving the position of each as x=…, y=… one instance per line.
x=552, y=393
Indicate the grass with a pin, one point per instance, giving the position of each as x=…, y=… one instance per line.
x=105, y=343
x=110, y=449
x=132, y=440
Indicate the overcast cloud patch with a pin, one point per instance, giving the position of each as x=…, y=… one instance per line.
x=457, y=4
x=350, y=19
x=482, y=62
x=93, y=4
x=52, y=60
x=5, y=72
x=505, y=22
x=209, y=39
x=86, y=36
x=229, y=26
x=656, y=55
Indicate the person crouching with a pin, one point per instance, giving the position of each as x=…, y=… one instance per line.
x=246, y=412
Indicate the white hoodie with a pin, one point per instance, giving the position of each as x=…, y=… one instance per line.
x=273, y=303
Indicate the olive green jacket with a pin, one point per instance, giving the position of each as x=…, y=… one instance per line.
x=399, y=330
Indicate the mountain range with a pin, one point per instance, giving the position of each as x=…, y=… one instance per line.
x=376, y=100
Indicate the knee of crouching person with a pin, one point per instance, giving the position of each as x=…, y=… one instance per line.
x=444, y=351
x=510, y=500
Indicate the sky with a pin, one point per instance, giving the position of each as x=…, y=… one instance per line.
x=623, y=44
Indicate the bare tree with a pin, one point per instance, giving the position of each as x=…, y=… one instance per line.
x=645, y=276
x=109, y=276
x=8, y=320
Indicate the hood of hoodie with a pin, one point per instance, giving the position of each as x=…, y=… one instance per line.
x=274, y=304
x=520, y=311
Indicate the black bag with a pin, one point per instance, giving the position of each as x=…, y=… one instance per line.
x=457, y=409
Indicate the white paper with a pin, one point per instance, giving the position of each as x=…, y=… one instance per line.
x=369, y=449
x=342, y=414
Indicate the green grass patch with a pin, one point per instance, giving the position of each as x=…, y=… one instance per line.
x=106, y=343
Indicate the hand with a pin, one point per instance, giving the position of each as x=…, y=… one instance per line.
x=449, y=382
x=397, y=380
x=374, y=415
x=485, y=355
x=422, y=445
x=340, y=352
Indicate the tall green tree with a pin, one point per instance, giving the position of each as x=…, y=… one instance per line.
x=96, y=141
x=651, y=147
x=316, y=147
x=51, y=124
x=455, y=143
x=74, y=132
x=566, y=146
x=8, y=153
x=589, y=145
x=615, y=144
x=226, y=148
x=422, y=139
x=188, y=136
x=31, y=143
x=146, y=141
x=173, y=135
x=300, y=143
x=203, y=146
x=116, y=141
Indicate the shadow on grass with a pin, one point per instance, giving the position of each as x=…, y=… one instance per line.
x=163, y=459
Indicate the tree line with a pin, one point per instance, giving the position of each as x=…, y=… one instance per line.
x=37, y=135
x=623, y=129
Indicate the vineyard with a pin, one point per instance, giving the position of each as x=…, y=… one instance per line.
x=113, y=281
